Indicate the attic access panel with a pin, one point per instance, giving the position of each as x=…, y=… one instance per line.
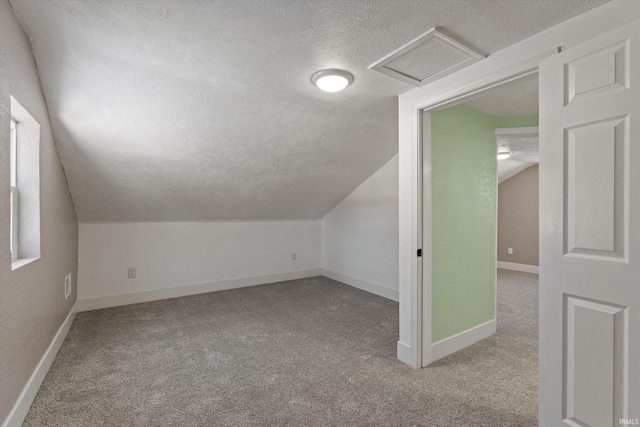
x=426, y=58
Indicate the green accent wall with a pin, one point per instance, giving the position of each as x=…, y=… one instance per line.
x=463, y=187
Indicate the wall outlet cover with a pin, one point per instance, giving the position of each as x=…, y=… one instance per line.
x=131, y=273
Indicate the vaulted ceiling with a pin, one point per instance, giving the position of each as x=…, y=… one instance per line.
x=185, y=110
x=524, y=154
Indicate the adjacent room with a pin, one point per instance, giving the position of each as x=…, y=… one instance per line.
x=210, y=214
x=471, y=150
x=474, y=149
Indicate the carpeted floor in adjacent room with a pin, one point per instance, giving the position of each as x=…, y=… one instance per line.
x=310, y=352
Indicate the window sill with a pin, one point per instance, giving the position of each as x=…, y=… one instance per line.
x=21, y=262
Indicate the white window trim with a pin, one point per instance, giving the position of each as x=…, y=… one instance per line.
x=26, y=194
x=14, y=224
x=14, y=191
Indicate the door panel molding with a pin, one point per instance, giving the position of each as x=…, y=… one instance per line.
x=590, y=232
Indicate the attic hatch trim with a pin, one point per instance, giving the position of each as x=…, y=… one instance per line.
x=457, y=48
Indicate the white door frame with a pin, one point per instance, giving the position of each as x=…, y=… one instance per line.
x=526, y=70
x=412, y=105
x=434, y=351
x=498, y=68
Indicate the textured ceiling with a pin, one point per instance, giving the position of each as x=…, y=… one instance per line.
x=524, y=153
x=521, y=98
x=202, y=110
x=518, y=99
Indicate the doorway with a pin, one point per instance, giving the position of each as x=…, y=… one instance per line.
x=587, y=242
x=460, y=207
x=474, y=148
x=412, y=106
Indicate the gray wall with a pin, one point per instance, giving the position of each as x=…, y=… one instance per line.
x=32, y=304
x=518, y=218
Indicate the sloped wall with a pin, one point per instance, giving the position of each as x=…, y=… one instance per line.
x=360, y=235
x=32, y=303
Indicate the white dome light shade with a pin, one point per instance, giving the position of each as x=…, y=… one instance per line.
x=332, y=83
x=503, y=155
x=332, y=80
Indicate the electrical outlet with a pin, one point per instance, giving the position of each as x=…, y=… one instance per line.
x=510, y=251
x=294, y=256
x=131, y=273
x=67, y=286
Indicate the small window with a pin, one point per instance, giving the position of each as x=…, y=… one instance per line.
x=24, y=170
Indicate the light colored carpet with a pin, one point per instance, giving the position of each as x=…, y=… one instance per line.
x=310, y=352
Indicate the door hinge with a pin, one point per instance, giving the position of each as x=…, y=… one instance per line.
x=419, y=252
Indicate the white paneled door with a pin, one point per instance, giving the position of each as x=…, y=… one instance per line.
x=590, y=233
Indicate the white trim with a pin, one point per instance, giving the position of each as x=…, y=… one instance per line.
x=435, y=33
x=518, y=267
x=502, y=66
x=495, y=247
x=13, y=201
x=13, y=162
x=364, y=285
x=19, y=114
x=412, y=105
x=510, y=75
x=464, y=339
x=406, y=355
x=96, y=303
x=22, y=405
x=21, y=262
x=424, y=240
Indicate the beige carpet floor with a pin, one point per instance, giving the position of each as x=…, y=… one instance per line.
x=310, y=352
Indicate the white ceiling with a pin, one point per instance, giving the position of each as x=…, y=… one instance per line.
x=524, y=154
x=181, y=110
x=521, y=98
x=518, y=99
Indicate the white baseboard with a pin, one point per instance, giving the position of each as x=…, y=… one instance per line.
x=518, y=267
x=22, y=405
x=364, y=285
x=406, y=355
x=96, y=303
x=464, y=339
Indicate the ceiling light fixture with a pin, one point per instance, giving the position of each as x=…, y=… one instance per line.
x=332, y=79
x=503, y=154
